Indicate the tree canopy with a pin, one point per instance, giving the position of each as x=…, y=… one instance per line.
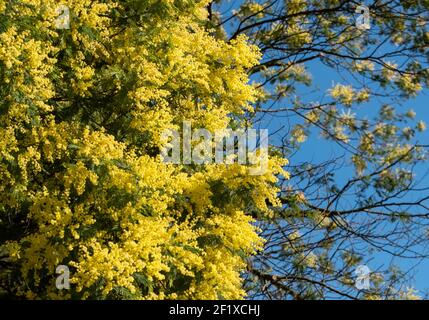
x=82, y=183
x=83, y=110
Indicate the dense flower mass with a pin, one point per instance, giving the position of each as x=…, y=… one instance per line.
x=82, y=111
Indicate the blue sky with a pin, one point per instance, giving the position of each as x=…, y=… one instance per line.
x=316, y=148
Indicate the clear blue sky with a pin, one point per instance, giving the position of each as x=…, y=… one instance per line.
x=316, y=148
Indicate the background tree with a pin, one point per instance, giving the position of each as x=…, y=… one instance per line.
x=366, y=199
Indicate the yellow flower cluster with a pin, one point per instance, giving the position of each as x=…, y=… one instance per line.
x=82, y=115
x=346, y=95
